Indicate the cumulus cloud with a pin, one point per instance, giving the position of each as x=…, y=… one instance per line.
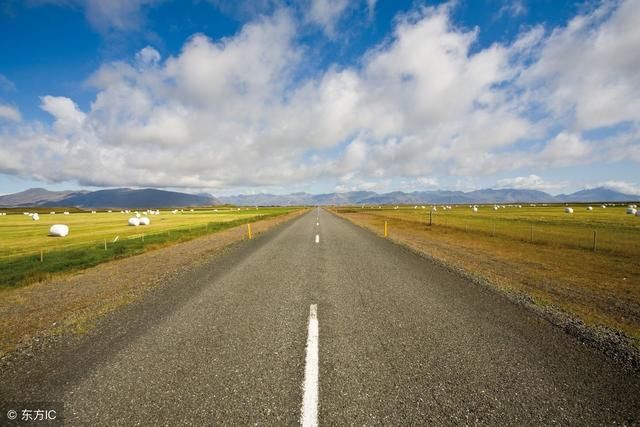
x=9, y=113
x=68, y=118
x=587, y=72
x=237, y=112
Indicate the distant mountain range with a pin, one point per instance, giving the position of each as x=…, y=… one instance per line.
x=151, y=198
x=117, y=198
x=421, y=197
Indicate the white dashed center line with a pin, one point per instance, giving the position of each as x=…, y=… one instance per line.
x=309, y=415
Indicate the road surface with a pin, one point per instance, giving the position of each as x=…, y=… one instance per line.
x=324, y=322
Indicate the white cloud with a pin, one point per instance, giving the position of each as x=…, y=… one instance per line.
x=6, y=85
x=621, y=186
x=108, y=15
x=68, y=117
x=371, y=8
x=426, y=103
x=513, y=8
x=587, y=72
x=9, y=113
x=327, y=13
x=565, y=149
x=530, y=182
x=148, y=56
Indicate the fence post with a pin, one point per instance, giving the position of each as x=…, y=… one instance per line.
x=41, y=255
x=386, y=231
x=595, y=239
x=531, y=234
x=249, y=231
x=105, y=244
x=430, y=217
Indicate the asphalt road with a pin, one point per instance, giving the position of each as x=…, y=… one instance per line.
x=401, y=341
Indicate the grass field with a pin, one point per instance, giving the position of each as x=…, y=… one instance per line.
x=540, y=252
x=24, y=242
x=615, y=230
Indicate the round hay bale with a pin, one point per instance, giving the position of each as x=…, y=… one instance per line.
x=144, y=220
x=35, y=217
x=568, y=210
x=59, y=230
x=589, y=208
x=474, y=209
x=631, y=211
x=134, y=222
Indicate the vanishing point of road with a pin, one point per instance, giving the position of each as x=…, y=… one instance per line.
x=321, y=322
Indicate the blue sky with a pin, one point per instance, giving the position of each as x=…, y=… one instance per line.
x=319, y=95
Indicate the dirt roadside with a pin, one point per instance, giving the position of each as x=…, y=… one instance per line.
x=73, y=303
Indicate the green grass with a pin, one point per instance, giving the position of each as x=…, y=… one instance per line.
x=22, y=240
x=616, y=232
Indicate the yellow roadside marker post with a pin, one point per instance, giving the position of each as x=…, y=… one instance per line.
x=386, y=231
x=249, y=231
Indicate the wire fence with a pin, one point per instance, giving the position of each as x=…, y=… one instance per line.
x=620, y=238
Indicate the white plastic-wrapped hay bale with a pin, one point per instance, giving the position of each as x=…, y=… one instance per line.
x=66, y=213
x=568, y=210
x=138, y=215
x=474, y=209
x=52, y=213
x=134, y=222
x=35, y=217
x=93, y=212
x=589, y=208
x=59, y=230
x=495, y=208
x=144, y=220
x=632, y=211
x=604, y=206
